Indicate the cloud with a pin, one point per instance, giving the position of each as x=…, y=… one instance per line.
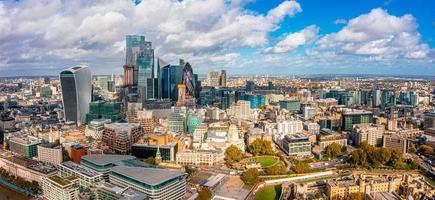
x=294, y=40
x=378, y=34
x=59, y=33
x=340, y=21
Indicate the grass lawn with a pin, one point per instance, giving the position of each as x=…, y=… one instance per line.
x=266, y=161
x=268, y=193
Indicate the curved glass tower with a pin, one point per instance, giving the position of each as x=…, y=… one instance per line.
x=76, y=84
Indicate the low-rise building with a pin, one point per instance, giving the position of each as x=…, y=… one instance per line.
x=328, y=137
x=370, y=133
x=59, y=188
x=50, y=153
x=296, y=145
x=200, y=157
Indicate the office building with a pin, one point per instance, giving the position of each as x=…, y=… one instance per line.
x=105, y=162
x=155, y=183
x=167, y=151
x=290, y=105
x=394, y=141
x=327, y=137
x=429, y=123
x=50, y=153
x=176, y=123
x=109, y=191
x=188, y=80
x=350, y=118
x=193, y=120
x=296, y=145
x=290, y=127
x=312, y=128
x=95, y=128
x=86, y=177
x=223, y=79
x=165, y=78
x=24, y=145
x=200, y=157
x=146, y=121
x=76, y=84
x=119, y=137
x=59, y=188
x=250, y=86
x=213, y=78
x=105, y=110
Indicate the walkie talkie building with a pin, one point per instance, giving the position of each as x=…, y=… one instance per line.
x=76, y=84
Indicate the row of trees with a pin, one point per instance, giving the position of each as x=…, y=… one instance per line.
x=368, y=156
x=20, y=182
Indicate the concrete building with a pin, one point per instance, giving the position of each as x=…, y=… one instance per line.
x=328, y=137
x=200, y=157
x=290, y=127
x=394, y=141
x=50, y=153
x=24, y=145
x=296, y=145
x=59, y=188
x=370, y=133
x=350, y=118
x=86, y=177
x=95, y=128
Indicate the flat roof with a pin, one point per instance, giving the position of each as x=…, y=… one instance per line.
x=80, y=169
x=150, y=176
x=106, y=158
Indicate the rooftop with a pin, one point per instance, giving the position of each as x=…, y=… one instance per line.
x=107, y=158
x=80, y=169
x=150, y=176
x=62, y=181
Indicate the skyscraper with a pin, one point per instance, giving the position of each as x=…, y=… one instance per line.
x=213, y=78
x=166, y=82
x=223, y=79
x=76, y=84
x=140, y=58
x=188, y=80
x=176, y=77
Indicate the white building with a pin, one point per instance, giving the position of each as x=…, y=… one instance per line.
x=290, y=127
x=200, y=157
x=50, y=153
x=58, y=188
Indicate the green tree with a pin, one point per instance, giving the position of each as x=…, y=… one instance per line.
x=354, y=196
x=250, y=176
x=301, y=167
x=261, y=147
x=204, y=194
x=276, y=170
x=412, y=148
x=233, y=154
x=425, y=149
x=333, y=150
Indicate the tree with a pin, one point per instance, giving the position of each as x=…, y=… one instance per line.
x=261, y=147
x=333, y=150
x=233, y=154
x=150, y=160
x=204, y=194
x=412, y=148
x=250, y=176
x=425, y=149
x=301, y=167
x=276, y=170
x=354, y=196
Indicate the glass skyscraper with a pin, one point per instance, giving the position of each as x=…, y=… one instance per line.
x=140, y=57
x=188, y=79
x=76, y=84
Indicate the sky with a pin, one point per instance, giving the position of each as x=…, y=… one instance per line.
x=244, y=37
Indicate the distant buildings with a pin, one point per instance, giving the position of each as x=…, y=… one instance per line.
x=24, y=145
x=290, y=105
x=76, y=93
x=200, y=157
x=213, y=78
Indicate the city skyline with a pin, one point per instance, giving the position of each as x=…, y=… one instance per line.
x=271, y=37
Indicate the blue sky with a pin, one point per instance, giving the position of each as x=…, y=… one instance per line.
x=242, y=36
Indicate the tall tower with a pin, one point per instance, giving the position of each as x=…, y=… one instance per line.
x=223, y=79
x=188, y=80
x=76, y=84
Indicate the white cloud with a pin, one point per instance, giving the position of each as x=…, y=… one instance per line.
x=378, y=34
x=58, y=31
x=294, y=40
x=340, y=21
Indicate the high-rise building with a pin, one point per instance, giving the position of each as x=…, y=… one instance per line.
x=270, y=85
x=24, y=145
x=223, y=79
x=76, y=84
x=376, y=98
x=250, y=86
x=388, y=99
x=429, y=123
x=188, y=80
x=166, y=82
x=181, y=94
x=370, y=133
x=290, y=105
x=104, y=110
x=176, y=77
x=213, y=78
